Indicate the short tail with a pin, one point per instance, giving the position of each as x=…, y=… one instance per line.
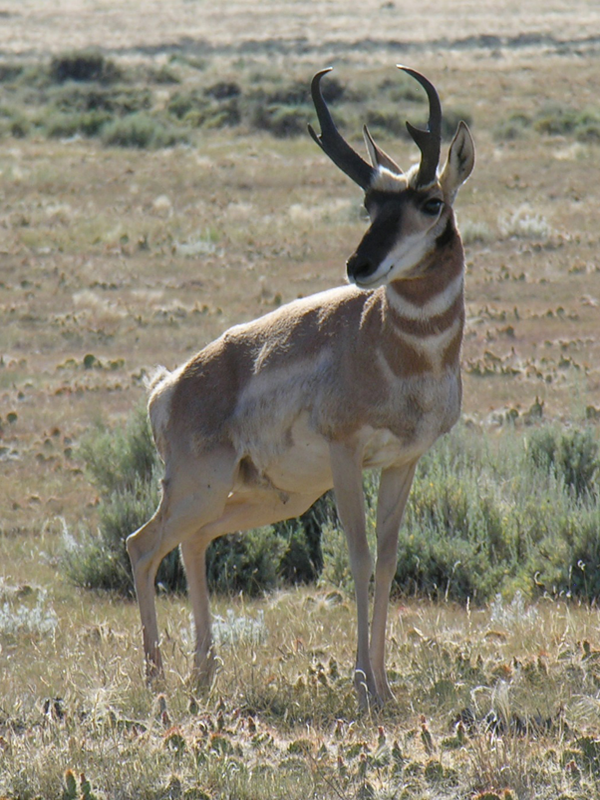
x=158, y=376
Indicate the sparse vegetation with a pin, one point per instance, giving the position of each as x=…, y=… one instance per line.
x=88, y=94
x=482, y=520
x=83, y=67
x=125, y=468
x=116, y=259
x=553, y=120
x=142, y=131
x=524, y=224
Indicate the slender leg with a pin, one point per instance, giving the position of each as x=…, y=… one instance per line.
x=190, y=500
x=144, y=574
x=347, y=483
x=193, y=552
x=393, y=493
x=261, y=508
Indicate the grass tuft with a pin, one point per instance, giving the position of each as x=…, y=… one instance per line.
x=141, y=130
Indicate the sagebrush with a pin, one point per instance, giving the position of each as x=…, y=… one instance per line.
x=485, y=516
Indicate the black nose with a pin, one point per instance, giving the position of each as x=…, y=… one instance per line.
x=358, y=267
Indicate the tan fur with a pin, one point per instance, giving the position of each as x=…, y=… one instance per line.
x=262, y=421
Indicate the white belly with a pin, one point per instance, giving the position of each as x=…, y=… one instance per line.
x=296, y=460
x=304, y=467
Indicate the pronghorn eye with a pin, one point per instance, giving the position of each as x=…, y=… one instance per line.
x=432, y=206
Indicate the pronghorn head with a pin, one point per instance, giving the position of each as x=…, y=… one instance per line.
x=410, y=213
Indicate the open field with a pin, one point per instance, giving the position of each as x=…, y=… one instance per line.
x=116, y=259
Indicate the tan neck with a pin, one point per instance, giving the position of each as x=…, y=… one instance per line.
x=424, y=318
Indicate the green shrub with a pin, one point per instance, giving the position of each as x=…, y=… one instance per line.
x=124, y=465
x=217, y=115
x=521, y=512
x=279, y=120
x=89, y=124
x=9, y=72
x=555, y=120
x=392, y=120
x=558, y=120
x=119, y=459
x=245, y=562
x=15, y=123
x=513, y=127
x=387, y=121
x=295, y=93
x=59, y=126
x=19, y=127
x=163, y=75
x=86, y=65
x=588, y=128
x=451, y=118
x=552, y=119
x=140, y=130
x=402, y=92
x=223, y=90
x=182, y=103
x=572, y=455
x=88, y=109
x=117, y=100
x=494, y=516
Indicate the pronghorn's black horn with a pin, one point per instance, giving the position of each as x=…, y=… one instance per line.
x=429, y=142
x=333, y=144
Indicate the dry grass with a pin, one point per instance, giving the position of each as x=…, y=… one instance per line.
x=138, y=258
x=486, y=700
x=212, y=30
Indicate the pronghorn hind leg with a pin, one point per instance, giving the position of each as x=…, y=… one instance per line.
x=262, y=508
x=191, y=498
x=145, y=567
x=394, y=489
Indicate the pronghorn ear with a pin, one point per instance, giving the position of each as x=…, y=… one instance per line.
x=459, y=165
x=379, y=158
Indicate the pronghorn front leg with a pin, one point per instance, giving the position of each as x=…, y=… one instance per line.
x=193, y=552
x=394, y=489
x=347, y=483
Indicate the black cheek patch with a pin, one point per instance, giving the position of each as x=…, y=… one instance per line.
x=383, y=234
x=378, y=241
x=446, y=237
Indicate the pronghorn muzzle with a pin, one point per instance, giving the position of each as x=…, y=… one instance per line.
x=377, y=242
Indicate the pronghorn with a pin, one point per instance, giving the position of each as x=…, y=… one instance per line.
x=264, y=420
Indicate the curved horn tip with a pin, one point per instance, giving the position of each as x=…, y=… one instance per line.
x=409, y=70
x=418, y=76
x=318, y=75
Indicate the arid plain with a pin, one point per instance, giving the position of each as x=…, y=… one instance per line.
x=114, y=260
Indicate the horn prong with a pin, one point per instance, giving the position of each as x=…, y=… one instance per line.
x=428, y=141
x=379, y=156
